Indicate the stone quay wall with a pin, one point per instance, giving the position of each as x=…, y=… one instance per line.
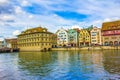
x=89, y=48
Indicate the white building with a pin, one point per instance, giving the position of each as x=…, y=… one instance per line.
x=96, y=36
x=2, y=42
x=62, y=37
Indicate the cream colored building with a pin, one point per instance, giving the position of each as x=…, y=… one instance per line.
x=35, y=39
x=62, y=37
x=12, y=43
x=84, y=37
x=111, y=33
x=96, y=36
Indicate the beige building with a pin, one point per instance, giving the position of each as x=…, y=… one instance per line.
x=111, y=33
x=35, y=39
x=84, y=37
x=96, y=36
x=12, y=43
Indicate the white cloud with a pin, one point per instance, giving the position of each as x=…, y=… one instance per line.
x=76, y=26
x=98, y=11
x=16, y=32
x=7, y=17
x=30, y=16
x=18, y=10
x=25, y=3
x=4, y=1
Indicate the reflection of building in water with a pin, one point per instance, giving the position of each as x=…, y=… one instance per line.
x=97, y=58
x=63, y=57
x=111, y=61
x=35, y=62
x=85, y=58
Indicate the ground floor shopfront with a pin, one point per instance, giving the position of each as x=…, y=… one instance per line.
x=111, y=40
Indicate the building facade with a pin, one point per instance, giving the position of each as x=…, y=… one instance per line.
x=62, y=37
x=73, y=37
x=54, y=40
x=84, y=37
x=35, y=39
x=111, y=33
x=12, y=43
x=2, y=42
x=96, y=36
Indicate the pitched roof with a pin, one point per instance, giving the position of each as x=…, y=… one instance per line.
x=111, y=25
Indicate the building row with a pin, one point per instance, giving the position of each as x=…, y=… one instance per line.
x=108, y=35
x=76, y=37
x=40, y=39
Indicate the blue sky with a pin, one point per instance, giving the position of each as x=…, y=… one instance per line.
x=18, y=15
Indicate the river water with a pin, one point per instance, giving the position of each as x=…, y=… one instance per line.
x=60, y=65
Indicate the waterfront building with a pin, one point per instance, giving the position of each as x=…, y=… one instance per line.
x=12, y=43
x=35, y=39
x=84, y=37
x=62, y=37
x=73, y=37
x=111, y=33
x=95, y=36
x=2, y=42
x=54, y=40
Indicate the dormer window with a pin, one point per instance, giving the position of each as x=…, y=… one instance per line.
x=35, y=30
x=44, y=30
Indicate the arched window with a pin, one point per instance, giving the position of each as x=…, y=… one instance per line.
x=106, y=43
x=111, y=43
x=115, y=43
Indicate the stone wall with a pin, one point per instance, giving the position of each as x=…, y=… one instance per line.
x=90, y=48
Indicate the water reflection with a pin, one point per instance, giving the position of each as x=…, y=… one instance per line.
x=111, y=61
x=36, y=62
x=66, y=65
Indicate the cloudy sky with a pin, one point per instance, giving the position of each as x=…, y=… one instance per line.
x=18, y=15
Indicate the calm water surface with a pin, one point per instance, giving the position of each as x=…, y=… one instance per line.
x=60, y=65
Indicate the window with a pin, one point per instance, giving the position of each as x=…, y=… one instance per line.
x=93, y=40
x=113, y=37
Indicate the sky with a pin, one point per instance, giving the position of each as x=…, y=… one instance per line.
x=19, y=15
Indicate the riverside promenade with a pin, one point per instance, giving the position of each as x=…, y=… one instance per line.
x=89, y=48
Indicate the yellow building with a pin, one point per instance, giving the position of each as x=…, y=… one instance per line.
x=35, y=39
x=96, y=36
x=54, y=40
x=84, y=37
x=111, y=33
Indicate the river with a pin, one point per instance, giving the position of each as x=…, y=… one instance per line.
x=61, y=65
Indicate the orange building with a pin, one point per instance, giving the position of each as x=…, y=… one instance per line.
x=111, y=33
